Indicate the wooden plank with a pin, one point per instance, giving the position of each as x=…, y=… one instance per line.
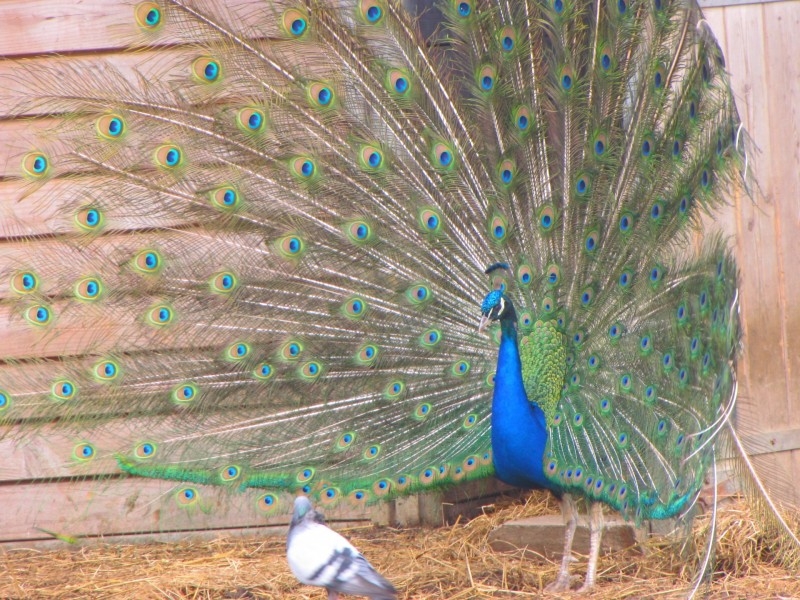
x=767, y=228
x=27, y=211
x=781, y=24
x=720, y=3
x=756, y=249
x=766, y=442
x=544, y=536
x=138, y=506
x=43, y=26
x=46, y=452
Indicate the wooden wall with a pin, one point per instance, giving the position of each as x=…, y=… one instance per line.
x=761, y=43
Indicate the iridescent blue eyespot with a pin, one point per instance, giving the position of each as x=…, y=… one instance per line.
x=324, y=95
x=152, y=17
x=298, y=26
x=374, y=14
x=599, y=147
x=507, y=43
x=464, y=9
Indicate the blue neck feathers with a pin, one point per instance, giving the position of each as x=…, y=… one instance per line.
x=519, y=430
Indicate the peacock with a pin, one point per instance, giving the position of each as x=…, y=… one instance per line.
x=298, y=247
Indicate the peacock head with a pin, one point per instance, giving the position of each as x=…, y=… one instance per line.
x=496, y=306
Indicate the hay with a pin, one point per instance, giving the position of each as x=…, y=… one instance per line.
x=450, y=562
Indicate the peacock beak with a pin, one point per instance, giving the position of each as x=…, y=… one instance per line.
x=482, y=324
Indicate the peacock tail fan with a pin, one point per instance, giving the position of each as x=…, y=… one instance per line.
x=262, y=239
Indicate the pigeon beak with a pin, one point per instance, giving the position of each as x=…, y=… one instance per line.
x=482, y=324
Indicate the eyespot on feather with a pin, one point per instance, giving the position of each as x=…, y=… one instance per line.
x=35, y=165
x=89, y=219
x=223, y=283
x=84, y=452
x=359, y=232
x=251, y=120
x=291, y=246
x=460, y=368
x=63, y=390
x=148, y=15
x=237, y=351
x=522, y=119
x=291, y=350
x=422, y=411
x=546, y=218
x=394, y=390
x=524, y=275
x=310, y=371
x=185, y=393
x=187, y=496
x=320, y=95
x=110, y=127
x=267, y=503
x=371, y=11
x=264, y=371
x=303, y=168
x=371, y=158
x=430, y=220
x=498, y=228
x=419, y=294
x=168, y=156
x=24, y=282
x=226, y=199
x=355, y=307
x=294, y=23
x=367, y=355
x=230, y=473
x=160, y=315
x=106, y=370
x=345, y=440
x=398, y=83
x=486, y=78
x=39, y=315
x=431, y=338
x=148, y=262
x=443, y=156
x=89, y=289
x=507, y=39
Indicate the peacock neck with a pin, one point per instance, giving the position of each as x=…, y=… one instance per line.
x=519, y=429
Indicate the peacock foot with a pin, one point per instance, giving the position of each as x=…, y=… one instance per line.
x=585, y=588
x=561, y=584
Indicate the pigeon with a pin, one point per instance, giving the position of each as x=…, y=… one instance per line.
x=319, y=556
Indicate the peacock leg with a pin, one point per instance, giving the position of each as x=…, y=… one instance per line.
x=333, y=595
x=595, y=535
x=570, y=513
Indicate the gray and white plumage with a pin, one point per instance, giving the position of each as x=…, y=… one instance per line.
x=319, y=556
